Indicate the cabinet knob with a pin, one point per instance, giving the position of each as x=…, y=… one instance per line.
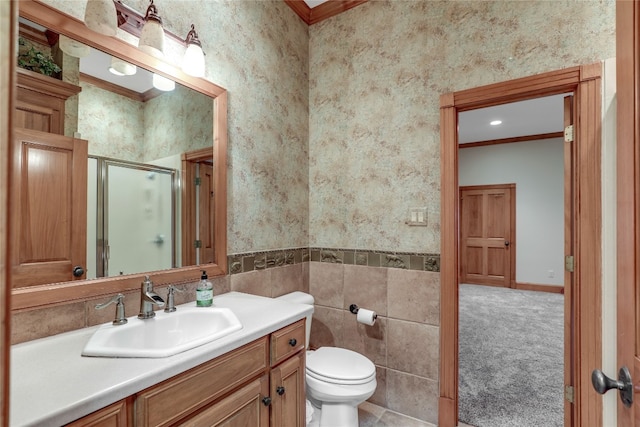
x=280, y=390
x=293, y=342
x=78, y=271
x=266, y=401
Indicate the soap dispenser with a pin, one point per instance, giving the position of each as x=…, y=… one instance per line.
x=204, y=291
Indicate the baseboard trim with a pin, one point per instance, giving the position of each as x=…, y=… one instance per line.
x=556, y=289
x=447, y=412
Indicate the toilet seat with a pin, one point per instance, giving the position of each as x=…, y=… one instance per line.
x=340, y=366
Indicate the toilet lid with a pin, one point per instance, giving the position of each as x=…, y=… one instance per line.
x=340, y=365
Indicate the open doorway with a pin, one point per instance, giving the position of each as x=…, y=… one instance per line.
x=511, y=335
x=582, y=289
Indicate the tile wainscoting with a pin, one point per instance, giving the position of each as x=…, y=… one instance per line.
x=404, y=290
x=243, y=263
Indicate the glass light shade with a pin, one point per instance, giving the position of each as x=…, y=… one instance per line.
x=122, y=68
x=193, y=61
x=163, y=83
x=152, y=39
x=101, y=16
x=72, y=47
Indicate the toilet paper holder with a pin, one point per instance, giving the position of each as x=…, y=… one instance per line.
x=354, y=309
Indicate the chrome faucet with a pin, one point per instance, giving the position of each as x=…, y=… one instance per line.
x=148, y=298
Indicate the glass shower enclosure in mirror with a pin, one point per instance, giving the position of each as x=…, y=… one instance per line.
x=131, y=218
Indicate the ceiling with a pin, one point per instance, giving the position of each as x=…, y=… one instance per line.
x=314, y=3
x=525, y=118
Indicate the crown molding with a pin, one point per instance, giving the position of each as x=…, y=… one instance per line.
x=323, y=11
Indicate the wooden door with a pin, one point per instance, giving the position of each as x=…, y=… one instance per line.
x=198, y=207
x=288, y=393
x=487, y=229
x=206, y=213
x=569, y=302
x=628, y=196
x=48, y=208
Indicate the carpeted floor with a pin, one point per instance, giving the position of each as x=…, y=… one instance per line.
x=511, y=357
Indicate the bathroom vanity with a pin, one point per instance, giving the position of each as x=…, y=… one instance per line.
x=252, y=377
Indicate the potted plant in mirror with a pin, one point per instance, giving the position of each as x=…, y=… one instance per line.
x=32, y=59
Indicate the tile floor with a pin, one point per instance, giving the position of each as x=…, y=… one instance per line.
x=371, y=415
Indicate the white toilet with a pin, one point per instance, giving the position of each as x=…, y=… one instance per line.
x=337, y=379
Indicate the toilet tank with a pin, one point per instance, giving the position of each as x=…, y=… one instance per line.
x=301, y=298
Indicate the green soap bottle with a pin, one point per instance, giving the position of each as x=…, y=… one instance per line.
x=204, y=291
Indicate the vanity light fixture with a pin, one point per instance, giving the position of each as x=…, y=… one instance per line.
x=100, y=16
x=152, y=35
x=122, y=68
x=193, y=61
x=163, y=83
x=495, y=122
x=72, y=47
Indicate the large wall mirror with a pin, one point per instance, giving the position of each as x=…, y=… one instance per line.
x=145, y=169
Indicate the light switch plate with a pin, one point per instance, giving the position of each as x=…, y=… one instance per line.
x=417, y=216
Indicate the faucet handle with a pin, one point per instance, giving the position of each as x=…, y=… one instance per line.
x=171, y=304
x=120, y=318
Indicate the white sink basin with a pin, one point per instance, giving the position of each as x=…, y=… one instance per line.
x=164, y=335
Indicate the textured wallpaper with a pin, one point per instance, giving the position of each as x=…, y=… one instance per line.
x=113, y=124
x=376, y=75
x=176, y=122
x=258, y=51
x=334, y=129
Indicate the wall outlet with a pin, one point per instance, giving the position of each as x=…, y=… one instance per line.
x=551, y=274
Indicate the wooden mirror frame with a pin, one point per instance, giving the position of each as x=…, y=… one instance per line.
x=59, y=293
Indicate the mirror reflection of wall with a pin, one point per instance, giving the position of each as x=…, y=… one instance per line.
x=125, y=118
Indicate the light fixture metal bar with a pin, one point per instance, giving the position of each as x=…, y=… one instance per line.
x=132, y=21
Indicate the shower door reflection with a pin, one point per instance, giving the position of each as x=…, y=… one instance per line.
x=135, y=218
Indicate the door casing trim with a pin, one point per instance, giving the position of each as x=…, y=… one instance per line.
x=586, y=319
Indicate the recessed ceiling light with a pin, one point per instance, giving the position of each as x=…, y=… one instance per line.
x=496, y=122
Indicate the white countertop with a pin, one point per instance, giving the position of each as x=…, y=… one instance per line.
x=52, y=384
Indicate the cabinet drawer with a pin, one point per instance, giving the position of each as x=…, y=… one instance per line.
x=175, y=398
x=112, y=416
x=244, y=408
x=287, y=341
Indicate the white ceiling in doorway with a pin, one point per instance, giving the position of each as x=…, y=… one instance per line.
x=524, y=118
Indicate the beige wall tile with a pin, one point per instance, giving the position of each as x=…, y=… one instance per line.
x=370, y=341
x=326, y=284
x=254, y=282
x=413, y=348
x=414, y=295
x=326, y=327
x=286, y=279
x=305, y=277
x=366, y=287
x=412, y=395
x=380, y=395
x=30, y=325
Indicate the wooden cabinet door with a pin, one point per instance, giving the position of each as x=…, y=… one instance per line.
x=207, y=213
x=487, y=228
x=48, y=208
x=288, y=393
x=244, y=408
x=114, y=415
